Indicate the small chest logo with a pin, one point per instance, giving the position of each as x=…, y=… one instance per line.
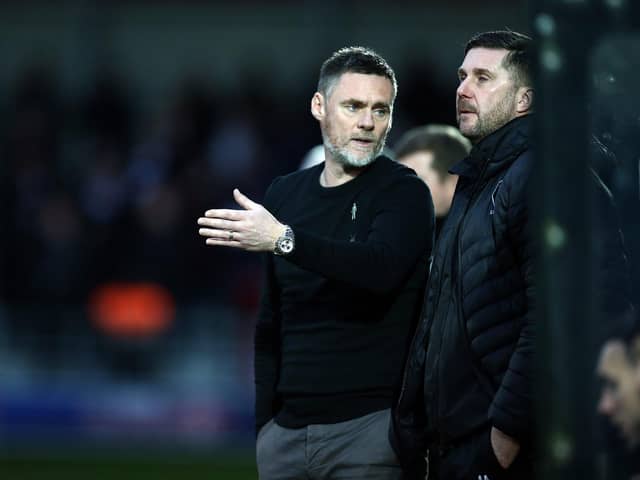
x=354, y=212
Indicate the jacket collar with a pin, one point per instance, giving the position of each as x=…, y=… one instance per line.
x=499, y=149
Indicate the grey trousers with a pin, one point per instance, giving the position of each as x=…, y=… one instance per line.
x=355, y=449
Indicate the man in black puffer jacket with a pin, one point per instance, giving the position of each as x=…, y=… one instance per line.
x=472, y=357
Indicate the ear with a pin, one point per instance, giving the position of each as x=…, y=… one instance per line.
x=317, y=106
x=525, y=100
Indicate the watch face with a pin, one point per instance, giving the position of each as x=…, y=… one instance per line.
x=285, y=245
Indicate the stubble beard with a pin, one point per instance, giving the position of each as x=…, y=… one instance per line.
x=498, y=116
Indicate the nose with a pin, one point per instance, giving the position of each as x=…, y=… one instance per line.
x=463, y=89
x=365, y=120
x=607, y=403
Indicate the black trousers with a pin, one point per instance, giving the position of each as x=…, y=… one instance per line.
x=472, y=458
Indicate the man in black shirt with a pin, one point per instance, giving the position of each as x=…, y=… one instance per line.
x=347, y=244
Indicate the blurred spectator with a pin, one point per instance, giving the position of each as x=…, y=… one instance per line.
x=431, y=151
x=59, y=272
x=107, y=111
x=619, y=368
x=313, y=157
x=31, y=151
x=615, y=316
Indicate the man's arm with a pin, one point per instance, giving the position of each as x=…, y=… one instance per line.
x=400, y=233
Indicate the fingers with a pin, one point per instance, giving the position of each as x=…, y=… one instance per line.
x=218, y=234
x=224, y=213
x=244, y=201
x=218, y=223
x=222, y=238
x=223, y=243
x=232, y=228
x=504, y=447
x=222, y=227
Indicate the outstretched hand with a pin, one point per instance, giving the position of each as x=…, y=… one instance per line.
x=251, y=228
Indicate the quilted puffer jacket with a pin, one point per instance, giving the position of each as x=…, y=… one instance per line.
x=471, y=361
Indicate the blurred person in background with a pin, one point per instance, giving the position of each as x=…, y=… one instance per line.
x=619, y=369
x=467, y=393
x=431, y=150
x=347, y=243
x=313, y=157
x=616, y=320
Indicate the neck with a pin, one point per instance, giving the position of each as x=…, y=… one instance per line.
x=335, y=174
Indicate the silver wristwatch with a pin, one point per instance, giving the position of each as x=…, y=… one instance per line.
x=285, y=243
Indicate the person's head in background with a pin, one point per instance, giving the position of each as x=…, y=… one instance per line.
x=619, y=368
x=495, y=83
x=431, y=150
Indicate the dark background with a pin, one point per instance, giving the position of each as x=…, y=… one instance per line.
x=122, y=122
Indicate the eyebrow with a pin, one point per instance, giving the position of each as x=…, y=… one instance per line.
x=360, y=103
x=477, y=71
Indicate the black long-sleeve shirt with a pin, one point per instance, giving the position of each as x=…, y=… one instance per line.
x=337, y=314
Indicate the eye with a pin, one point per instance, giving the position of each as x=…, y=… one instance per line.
x=462, y=76
x=483, y=78
x=351, y=107
x=381, y=112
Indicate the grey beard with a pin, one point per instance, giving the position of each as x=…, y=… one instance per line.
x=347, y=159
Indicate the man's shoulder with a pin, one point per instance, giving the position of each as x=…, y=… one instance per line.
x=393, y=182
x=301, y=175
x=391, y=172
x=520, y=170
x=385, y=166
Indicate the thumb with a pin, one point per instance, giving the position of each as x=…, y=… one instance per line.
x=243, y=200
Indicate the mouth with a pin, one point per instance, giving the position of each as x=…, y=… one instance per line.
x=464, y=108
x=364, y=142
